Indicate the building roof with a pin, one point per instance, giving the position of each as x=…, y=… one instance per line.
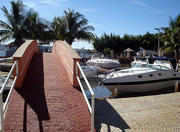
x=128, y=50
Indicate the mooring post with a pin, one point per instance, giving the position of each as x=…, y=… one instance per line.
x=115, y=92
x=176, y=86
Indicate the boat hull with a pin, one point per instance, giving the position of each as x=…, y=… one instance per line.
x=141, y=87
x=103, y=63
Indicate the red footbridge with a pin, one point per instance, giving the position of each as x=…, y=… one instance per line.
x=46, y=94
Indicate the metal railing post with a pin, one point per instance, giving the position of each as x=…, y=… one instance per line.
x=4, y=106
x=92, y=114
x=2, y=113
x=90, y=107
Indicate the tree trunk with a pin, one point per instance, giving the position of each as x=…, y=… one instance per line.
x=176, y=53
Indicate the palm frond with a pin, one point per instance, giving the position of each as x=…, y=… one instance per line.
x=4, y=25
x=87, y=28
x=80, y=24
x=5, y=32
x=82, y=35
x=168, y=49
x=17, y=12
x=8, y=16
x=6, y=38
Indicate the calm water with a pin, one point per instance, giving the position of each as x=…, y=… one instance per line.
x=99, y=91
x=2, y=53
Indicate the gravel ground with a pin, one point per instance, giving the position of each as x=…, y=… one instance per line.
x=158, y=113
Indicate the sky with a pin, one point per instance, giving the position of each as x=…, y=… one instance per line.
x=120, y=17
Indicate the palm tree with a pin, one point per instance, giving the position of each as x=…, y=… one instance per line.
x=71, y=26
x=36, y=28
x=171, y=36
x=22, y=24
x=13, y=28
x=59, y=28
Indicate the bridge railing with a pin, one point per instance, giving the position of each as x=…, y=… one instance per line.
x=24, y=55
x=68, y=57
x=90, y=107
x=22, y=58
x=3, y=107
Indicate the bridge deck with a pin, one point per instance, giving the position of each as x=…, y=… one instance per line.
x=47, y=101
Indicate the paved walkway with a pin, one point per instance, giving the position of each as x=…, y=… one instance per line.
x=47, y=101
x=156, y=113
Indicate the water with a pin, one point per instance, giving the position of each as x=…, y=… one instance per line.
x=99, y=91
x=2, y=53
x=2, y=80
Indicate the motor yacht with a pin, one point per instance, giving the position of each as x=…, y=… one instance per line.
x=103, y=63
x=142, y=78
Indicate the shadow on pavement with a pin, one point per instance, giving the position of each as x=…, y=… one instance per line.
x=32, y=91
x=106, y=114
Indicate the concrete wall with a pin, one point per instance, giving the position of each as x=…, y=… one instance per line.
x=69, y=57
x=24, y=55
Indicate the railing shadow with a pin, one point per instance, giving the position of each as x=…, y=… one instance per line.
x=106, y=114
x=32, y=91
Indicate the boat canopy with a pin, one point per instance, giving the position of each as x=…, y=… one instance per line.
x=172, y=60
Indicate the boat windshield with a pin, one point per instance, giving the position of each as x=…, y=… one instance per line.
x=153, y=66
x=138, y=65
x=158, y=67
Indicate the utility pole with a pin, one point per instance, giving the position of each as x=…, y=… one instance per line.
x=158, y=29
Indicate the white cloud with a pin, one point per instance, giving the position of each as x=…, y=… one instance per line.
x=44, y=3
x=82, y=44
x=140, y=3
x=49, y=2
x=53, y=2
x=88, y=10
x=31, y=4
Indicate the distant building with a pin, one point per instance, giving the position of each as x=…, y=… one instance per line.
x=84, y=53
x=129, y=52
x=40, y=42
x=143, y=52
x=5, y=51
x=45, y=48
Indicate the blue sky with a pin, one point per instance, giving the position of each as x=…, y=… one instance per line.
x=110, y=16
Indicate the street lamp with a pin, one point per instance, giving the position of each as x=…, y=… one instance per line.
x=158, y=29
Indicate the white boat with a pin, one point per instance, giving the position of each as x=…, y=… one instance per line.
x=103, y=63
x=138, y=78
x=90, y=71
x=140, y=62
